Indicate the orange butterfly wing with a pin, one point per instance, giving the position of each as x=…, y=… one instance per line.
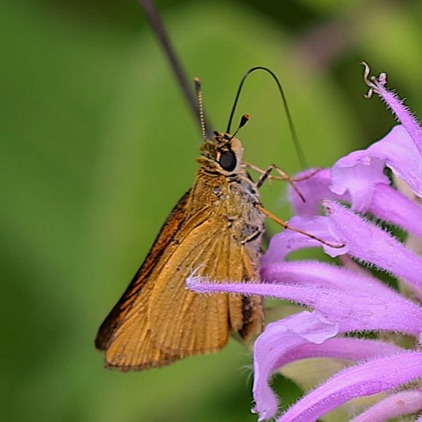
x=158, y=320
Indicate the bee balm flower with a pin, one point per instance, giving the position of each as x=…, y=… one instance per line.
x=347, y=298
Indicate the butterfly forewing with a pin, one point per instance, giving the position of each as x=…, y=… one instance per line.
x=201, y=323
x=163, y=243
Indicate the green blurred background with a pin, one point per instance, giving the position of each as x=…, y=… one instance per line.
x=97, y=145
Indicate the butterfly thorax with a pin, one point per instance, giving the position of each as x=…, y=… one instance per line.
x=225, y=187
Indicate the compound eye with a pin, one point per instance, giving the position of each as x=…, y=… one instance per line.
x=228, y=160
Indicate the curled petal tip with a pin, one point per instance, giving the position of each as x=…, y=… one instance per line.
x=373, y=82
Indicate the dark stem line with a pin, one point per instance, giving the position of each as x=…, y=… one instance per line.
x=170, y=53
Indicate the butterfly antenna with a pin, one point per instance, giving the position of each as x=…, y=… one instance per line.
x=243, y=120
x=292, y=128
x=205, y=133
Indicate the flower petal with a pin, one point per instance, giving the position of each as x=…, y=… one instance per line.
x=394, y=406
x=289, y=240
x=411, y=125
x=322, y=274
x=359, y=172
x=360, y=380
x=369, y=243
x=269, y=356
x=345, y=348
x=297, y=329
x=394, y=207
x=353, y=312
x=314, y=189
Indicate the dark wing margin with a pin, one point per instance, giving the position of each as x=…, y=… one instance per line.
x=170, y=228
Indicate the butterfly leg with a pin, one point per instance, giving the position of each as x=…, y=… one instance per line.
x=285, y=225
x=266, y=174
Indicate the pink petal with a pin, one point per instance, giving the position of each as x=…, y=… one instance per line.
x=289, y=241
x=293, y=331
x=278, y=346
x=357, y=311
x=314, y=190
x=409, y=122
x=369, y=243
x=360, y=380
x=322, y=274
x=394, y=406
x=394, y=207
x=357, y=174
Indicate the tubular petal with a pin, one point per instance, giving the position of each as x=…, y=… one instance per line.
x=360, y=380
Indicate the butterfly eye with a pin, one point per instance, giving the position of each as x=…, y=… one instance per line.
x=228, y=160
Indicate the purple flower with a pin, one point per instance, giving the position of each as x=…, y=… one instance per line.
x=345, y=297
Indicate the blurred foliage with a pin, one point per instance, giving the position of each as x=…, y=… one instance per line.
x=96, y=146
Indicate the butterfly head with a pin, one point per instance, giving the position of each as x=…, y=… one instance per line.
x=222, y=153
